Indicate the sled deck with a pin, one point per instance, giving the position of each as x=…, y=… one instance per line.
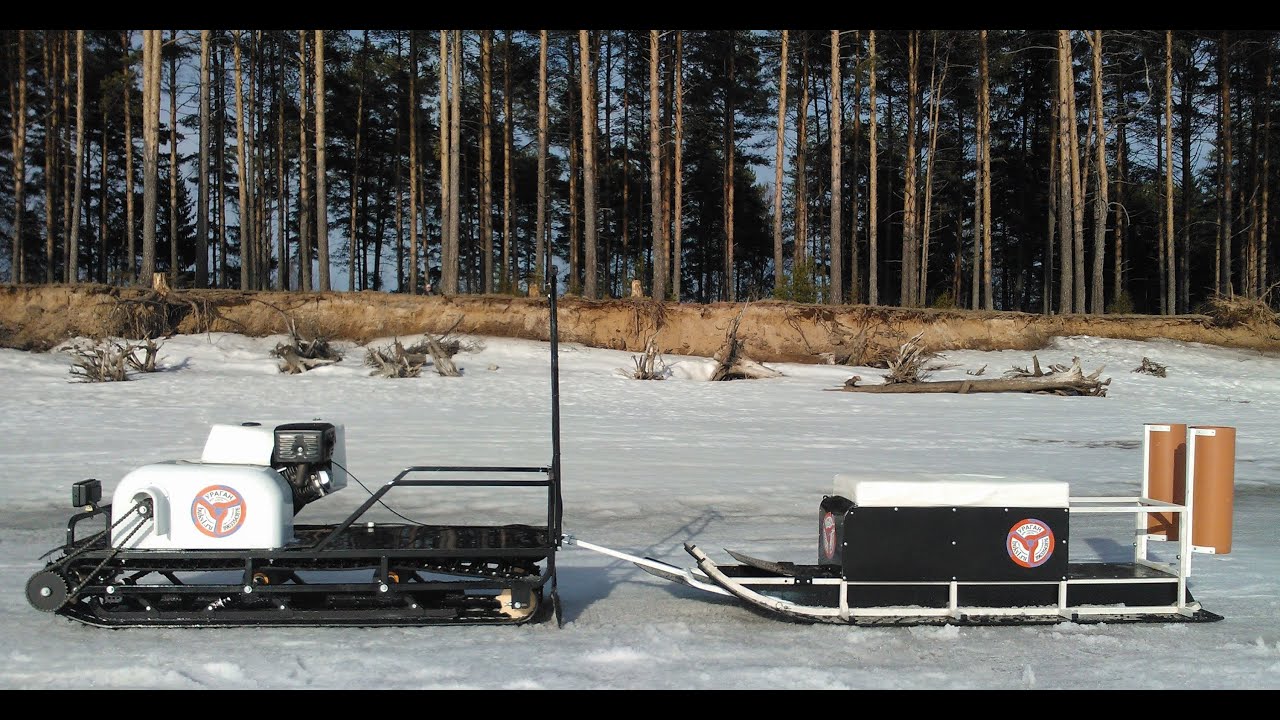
x=349, y=573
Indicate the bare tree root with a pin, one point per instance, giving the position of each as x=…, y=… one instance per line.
x=908, y=365
x=649, y=365
x=731, y=360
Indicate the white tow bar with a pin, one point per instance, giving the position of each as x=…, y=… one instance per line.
x=685, y=576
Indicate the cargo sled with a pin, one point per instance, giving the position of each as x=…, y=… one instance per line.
x=936, y=549
x=217, y=541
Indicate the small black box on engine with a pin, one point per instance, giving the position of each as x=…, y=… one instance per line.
x=86, y=492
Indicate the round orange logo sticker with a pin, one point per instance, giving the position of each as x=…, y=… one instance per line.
x=218, y=511
x=1030, y=543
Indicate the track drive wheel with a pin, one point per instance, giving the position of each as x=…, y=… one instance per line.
x=47, y=591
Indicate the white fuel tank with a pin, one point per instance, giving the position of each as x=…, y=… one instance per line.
x=204, y=505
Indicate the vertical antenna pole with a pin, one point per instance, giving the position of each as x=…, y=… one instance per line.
x=555, y=398
x=558, y=516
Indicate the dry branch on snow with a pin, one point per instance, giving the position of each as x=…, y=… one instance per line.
x=397, y=361
x=302, y=354
x=1150, y=367
x=112, y=360
x=1059, y=380
x=394, y=361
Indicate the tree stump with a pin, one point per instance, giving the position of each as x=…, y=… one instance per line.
x=637, y=291
x=160, y=282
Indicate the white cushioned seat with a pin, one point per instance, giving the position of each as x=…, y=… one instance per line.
x=950, y=490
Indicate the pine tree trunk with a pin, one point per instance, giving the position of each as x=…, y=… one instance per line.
x=18, y=115
x=1172, y=283
x=678, y=163
x=449, y=255
x=1065, y=119
x=1264, y=251
x=780, y=144
x=935, y=104
x=1077, y=188
x=976, y=281
x=665, y=140
x=987, y=251
x=202, y=196
x=353, y=234
x=540, y=253
x=1225, y=286
x=1098, y=305
x=220, y=97
x=101, y=270
x=150, y=138
x=322, y=193
x=486, y=156
x=73, y=273
x=837, y=232
x=659, y=288
x=304, y=174
x=630, y=270
x=173, y=161
x=855, y=276
x=66, y=157
x=873, y=292
x=575, y=163
x=1122, y=179
x=587, y=80
x=1048, y=258
x=508, y=135
x=399, y=179
x=800, y=249
x=415, y=251
x=730, y=151
x=249, y=219
x=1186, y=111
x=910, y=228
x=242, y=175
x=50, y=139
x=282, y=178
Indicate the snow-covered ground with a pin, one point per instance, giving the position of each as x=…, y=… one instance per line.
x=648, y=466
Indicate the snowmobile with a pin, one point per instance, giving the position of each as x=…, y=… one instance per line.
x=214, y=541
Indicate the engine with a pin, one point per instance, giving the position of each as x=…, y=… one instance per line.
x=243, y=492
x=303, y=453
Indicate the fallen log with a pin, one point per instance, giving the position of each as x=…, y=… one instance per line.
x=1071, y=382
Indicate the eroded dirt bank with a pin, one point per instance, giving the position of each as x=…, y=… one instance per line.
x=38, y=317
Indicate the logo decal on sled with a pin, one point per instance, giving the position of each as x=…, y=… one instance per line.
x=1030, y=543
x=828, y=536
x=218, y=511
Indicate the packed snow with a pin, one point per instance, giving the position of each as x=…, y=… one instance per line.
x=648, y=466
